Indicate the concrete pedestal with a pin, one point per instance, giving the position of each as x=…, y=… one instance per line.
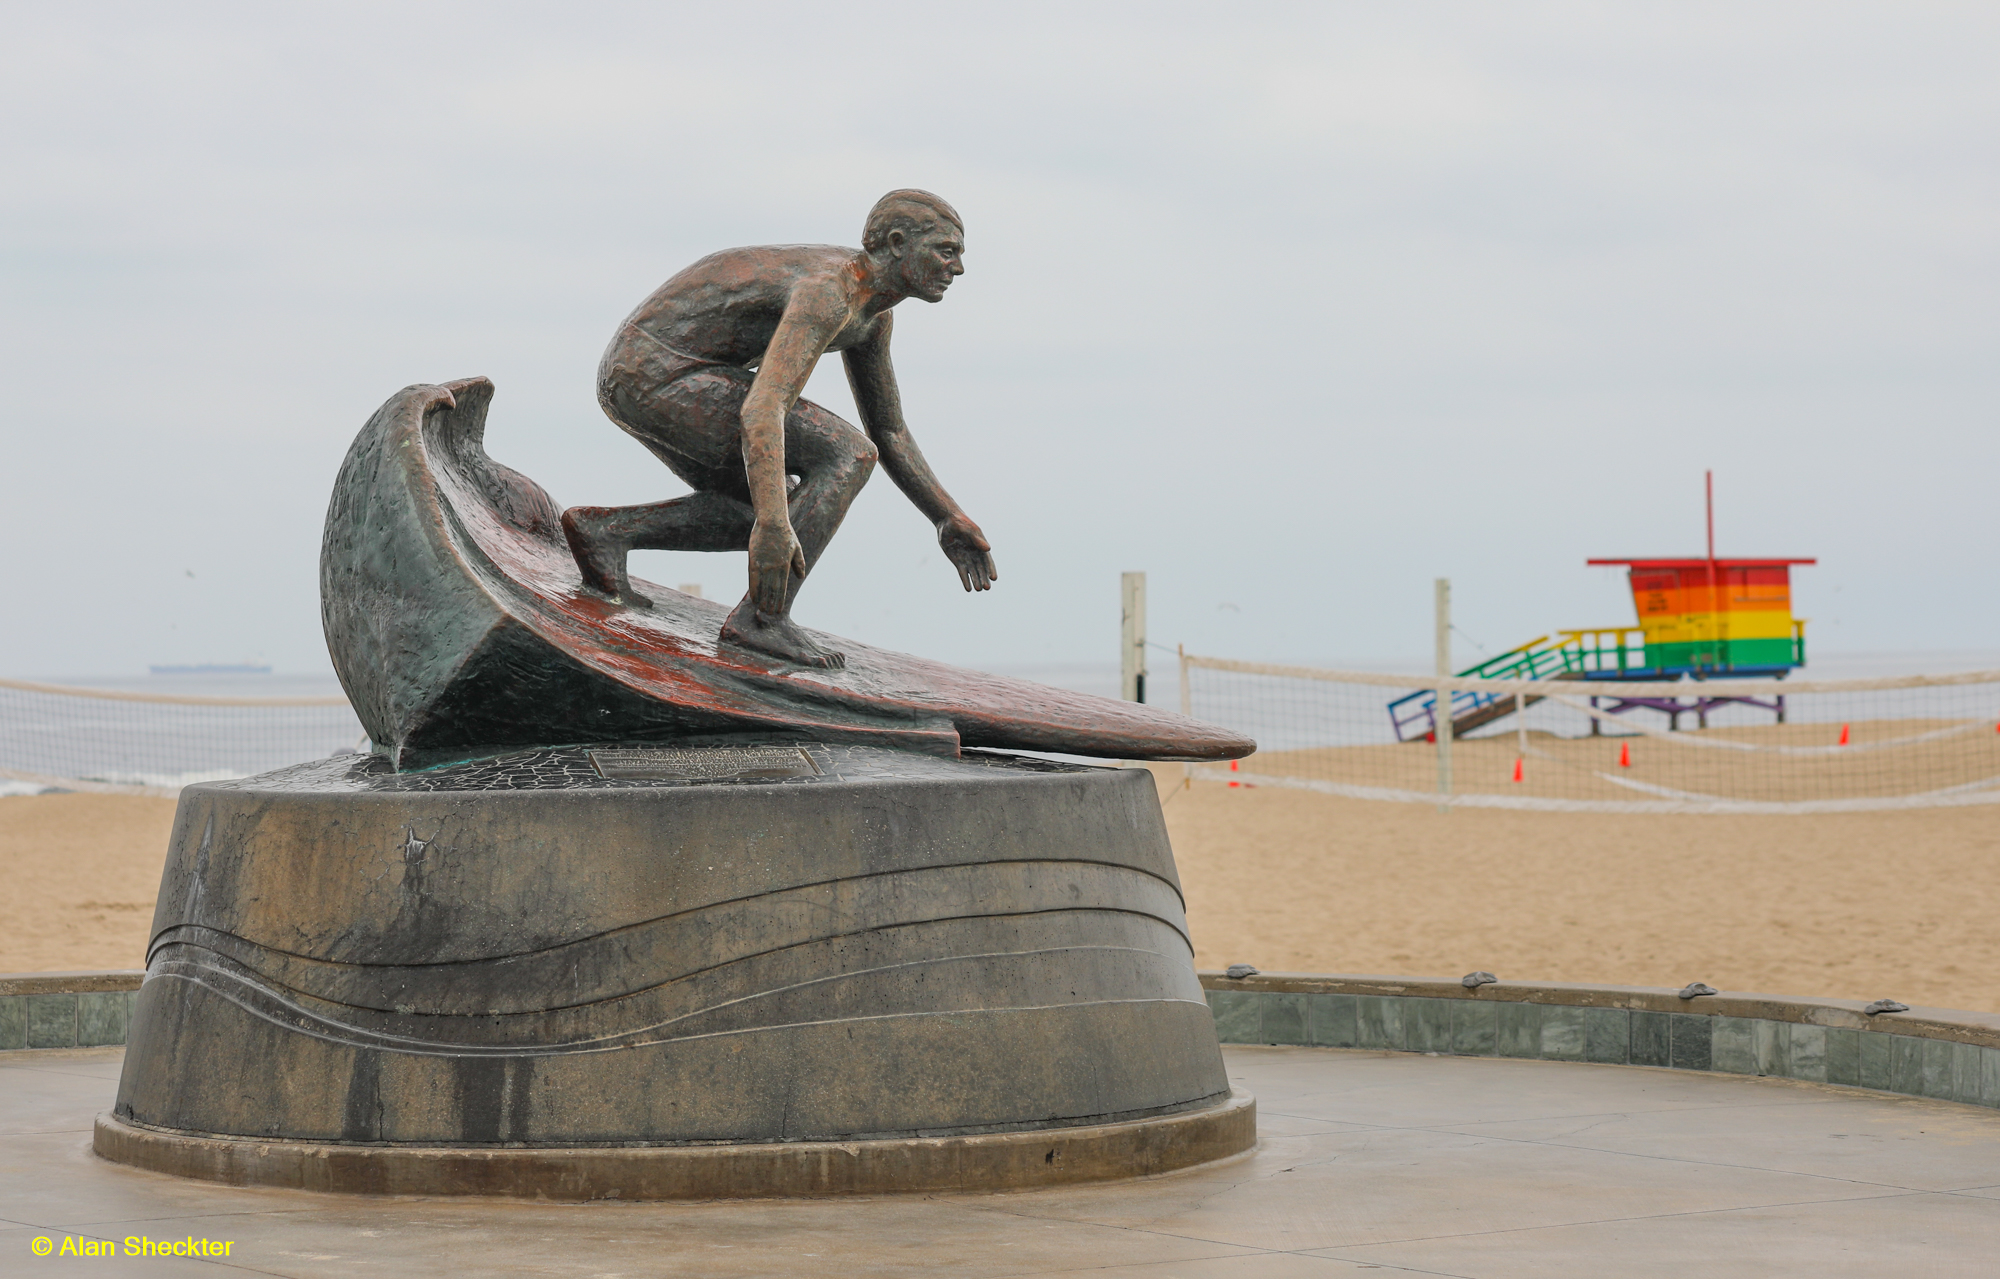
x=658, y=950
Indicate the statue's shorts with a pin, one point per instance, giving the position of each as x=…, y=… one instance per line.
x=685, y=409
x=688, y=411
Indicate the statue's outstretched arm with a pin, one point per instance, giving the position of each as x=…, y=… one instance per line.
x=814, y=314
x=872, y=378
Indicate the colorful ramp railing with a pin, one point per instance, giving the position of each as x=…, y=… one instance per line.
x=1608, y=652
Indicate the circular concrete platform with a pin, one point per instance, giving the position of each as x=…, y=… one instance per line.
x=1389, y=1163
x=989, y=1161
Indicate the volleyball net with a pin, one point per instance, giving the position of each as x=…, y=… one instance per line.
x=54, y=737
x=1714, y=745
x=1717, y=745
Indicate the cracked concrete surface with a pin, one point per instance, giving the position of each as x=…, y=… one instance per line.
x=1389, y=1162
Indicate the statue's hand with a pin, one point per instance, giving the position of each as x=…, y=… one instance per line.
x=775, y=556
x=969, y=552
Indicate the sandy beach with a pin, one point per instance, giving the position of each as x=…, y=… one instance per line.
x=1850, y=905
x=82, y=872
x=1854, y=905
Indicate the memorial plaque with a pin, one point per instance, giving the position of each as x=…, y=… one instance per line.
x=711, y=764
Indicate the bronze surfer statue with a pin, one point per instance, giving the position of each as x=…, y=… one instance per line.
x=707, y=373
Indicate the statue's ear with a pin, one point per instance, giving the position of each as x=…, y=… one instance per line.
x=896, y=240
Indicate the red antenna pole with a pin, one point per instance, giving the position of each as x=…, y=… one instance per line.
x=1709, y=478
x=1714, y=600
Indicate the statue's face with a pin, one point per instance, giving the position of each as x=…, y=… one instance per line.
x=928, y=263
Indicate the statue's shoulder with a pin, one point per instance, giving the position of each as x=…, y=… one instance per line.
x=756, y=280
x=781, y=265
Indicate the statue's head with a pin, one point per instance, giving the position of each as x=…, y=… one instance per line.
x=918, y=242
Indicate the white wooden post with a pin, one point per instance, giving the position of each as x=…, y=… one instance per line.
x=1187, y=709
x=1132, y=638
x=1441, y=717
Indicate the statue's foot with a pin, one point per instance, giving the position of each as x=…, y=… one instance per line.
x=777, y=637
x=602, y=565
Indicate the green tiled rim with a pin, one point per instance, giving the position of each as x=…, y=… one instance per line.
x=1612, y=1026
x=65, y=1019
x=1926, y=1052
x=66, y=1010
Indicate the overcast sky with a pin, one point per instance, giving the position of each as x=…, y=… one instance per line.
x=1294, y=307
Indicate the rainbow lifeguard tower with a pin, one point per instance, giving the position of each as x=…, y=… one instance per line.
x=1700, y=619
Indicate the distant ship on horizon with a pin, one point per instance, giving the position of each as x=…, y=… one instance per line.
x=221, y=668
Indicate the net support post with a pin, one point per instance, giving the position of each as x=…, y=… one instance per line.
x=1441, y=716
x=1187, y=709
x=1132, y=638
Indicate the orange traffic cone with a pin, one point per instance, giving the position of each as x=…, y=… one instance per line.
x=1235, y=768
x=1843, y=734
x=1517, y=768
x=1624, y=754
